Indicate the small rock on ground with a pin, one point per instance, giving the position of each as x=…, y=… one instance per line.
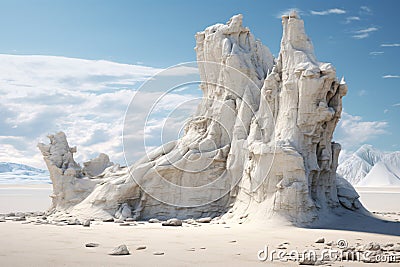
x=204, y=220
x=91, y=245
x=141, y=247
x=120, y=250
x=158, y=253
x=310, y=262
x=320, y=240
x=172, y=222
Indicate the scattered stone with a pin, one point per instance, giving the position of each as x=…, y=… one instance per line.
x=284, y=245
x=310, y=262
x=172, y=222
x=191, y=249
x=119, y=221
x=158, y=253
x=244, y=216
x=124, y=224
x=387, y=247
x=19, y=219
x=130, y=220
x=203, y=248
x=204, y=220
x=39, y=213
x=26, y=222
x=74, y=222
x=232, y=241
x=11, y=214
x=330, y=243
x=2, y=219
x=141, y=247
x=109, y=220
x=86, y=223
x=396, y=248
x=372, y=246
x=190, y=221
x=20, y=214
x=320, y=240
x=91, y=245
x=154, y=220
x=281, y=246
x=120, y=250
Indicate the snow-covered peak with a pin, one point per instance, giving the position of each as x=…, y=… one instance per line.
x=15, y=173
x=369, y=166
x=12, y=167
x=369, y=154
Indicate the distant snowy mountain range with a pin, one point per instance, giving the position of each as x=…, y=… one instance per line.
x=14, y=173
x=370, y=167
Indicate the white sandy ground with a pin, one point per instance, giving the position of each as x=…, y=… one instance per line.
x=25, y=197
x=207, y=245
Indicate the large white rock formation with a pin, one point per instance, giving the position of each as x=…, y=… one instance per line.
x=260, y=144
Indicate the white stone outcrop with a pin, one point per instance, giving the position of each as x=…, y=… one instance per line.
x=260, y=144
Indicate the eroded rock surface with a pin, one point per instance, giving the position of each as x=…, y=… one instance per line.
x=260, y=144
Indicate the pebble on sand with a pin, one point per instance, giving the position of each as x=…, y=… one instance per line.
x=120, y=250
x=91, y=245
x=172, y=222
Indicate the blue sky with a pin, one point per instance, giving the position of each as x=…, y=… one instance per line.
x=360, y=38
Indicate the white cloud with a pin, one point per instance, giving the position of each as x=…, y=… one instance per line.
x=396, y=105
x=365, y=10
x=362, y=93
x=337, y=11
x=87, y=99
x=390, y=45
x=385, y=111
x=352, y=131
x=364, y=33
x=351, y=19
x=376, y=53
x=391, y=76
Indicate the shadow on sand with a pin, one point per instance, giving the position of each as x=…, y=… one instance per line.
x=366, y=222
